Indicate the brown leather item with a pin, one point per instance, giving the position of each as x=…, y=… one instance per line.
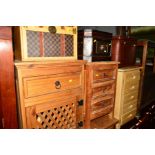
x=123, y=50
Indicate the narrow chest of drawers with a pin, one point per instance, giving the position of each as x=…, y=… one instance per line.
x=127, y=93
x=100, y=94
x=51, y=94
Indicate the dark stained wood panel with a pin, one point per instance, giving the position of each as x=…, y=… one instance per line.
x=7, y=82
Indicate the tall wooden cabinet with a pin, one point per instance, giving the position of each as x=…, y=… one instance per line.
x=145, y=56
x=8, y=114
x=51, y=94
x=100, y=94
x=127, y=94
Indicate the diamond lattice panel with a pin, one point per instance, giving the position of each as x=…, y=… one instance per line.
x=68, y=45
x=63, y=117
x=51, y=44
x=33, y=45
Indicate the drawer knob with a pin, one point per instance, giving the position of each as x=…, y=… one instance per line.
x=133, y=87
x=133, y=77
x=57, y=84
x=130, y=115
x=97, y=75
x=132, y=97
x=130, y=106
x=70, y=80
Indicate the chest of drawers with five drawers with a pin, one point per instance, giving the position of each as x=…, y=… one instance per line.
x=127, y=94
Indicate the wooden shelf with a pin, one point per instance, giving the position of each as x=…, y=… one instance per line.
x=103, y=122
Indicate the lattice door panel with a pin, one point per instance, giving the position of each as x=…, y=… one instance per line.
x=47, y=116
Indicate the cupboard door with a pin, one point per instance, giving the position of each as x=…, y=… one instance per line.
x=58, y=115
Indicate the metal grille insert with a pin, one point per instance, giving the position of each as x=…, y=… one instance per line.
x=33, y=45
x=68, y=45
x=52, y=44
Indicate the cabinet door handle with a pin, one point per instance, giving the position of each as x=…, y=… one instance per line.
x=57, y=84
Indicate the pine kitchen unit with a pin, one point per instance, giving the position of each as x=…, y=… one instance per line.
x=50, y=94
x=100, y=94
x=127, y=94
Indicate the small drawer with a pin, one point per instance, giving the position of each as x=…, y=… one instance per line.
x=41, y=85
x=132, y=76
x=101, y=108
x=129, y=107
x=128, y=116
x=131, y=86
x=130, y=97
x=103, y=75
x=104, y=90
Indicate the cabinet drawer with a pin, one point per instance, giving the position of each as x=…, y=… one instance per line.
x=129, y=107
x=131, y=86
x=132, y=76
x=128, y=116
x=103, y=75
x=130, y=97
x=41, y=85
x=102, y=107
x=103, y=90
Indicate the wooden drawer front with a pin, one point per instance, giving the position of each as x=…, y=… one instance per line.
x=103, y=75
x=101, y=108
x=48, y=84
x=132, y=76
x=61, y=114
x=130, y=97
x=103, y=90
x=129, y=107
x=131, y=86
x=128, y=116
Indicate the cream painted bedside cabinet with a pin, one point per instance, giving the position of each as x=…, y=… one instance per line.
x=127, y=92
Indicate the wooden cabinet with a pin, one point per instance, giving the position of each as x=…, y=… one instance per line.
x=145, y=56
x=51, y=94
x=100, y=94
x=8, y=114
x=127, y=94
x=40, y=43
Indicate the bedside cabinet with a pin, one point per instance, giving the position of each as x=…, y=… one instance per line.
x=51, y=94
x=100, y=94
x=127, y=92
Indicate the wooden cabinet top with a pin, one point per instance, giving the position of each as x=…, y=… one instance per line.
x=102, y=63
x=57, y=63
x=126, y=69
